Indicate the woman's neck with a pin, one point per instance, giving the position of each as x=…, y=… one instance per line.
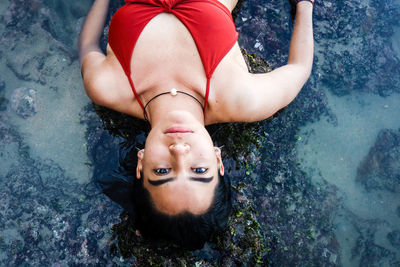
x=168, y=105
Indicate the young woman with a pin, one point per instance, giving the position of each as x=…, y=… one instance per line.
x=177, y=64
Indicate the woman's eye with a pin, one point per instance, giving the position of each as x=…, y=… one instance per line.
x=161, y=171
x=199, y=170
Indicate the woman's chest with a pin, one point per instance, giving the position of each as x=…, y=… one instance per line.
x=165, y=52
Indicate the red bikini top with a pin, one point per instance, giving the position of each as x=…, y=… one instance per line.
x=209, y=22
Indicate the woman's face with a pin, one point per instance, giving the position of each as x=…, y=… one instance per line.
x=180, y=166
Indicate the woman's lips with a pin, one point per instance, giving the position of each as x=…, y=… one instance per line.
x=178, y=129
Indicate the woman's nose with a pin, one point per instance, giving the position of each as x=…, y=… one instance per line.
x=179, y=148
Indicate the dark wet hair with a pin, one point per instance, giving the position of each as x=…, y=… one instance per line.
x=185, y=229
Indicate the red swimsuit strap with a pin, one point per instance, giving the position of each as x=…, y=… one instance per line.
x=135, y=93
x=207, y=93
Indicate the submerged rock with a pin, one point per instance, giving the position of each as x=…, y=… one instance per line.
x=380, y=169
x=55, y=17
x=45, y=60
x=367, y=250
x=23, y=102
x=3, y=100
x=2, y=85
x=394, y=238
x=25, y=66
x=357, y=52
x=375, y=255
x=46, y=217
x=21, y=14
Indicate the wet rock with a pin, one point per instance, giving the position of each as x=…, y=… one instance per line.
x=55, y=17
x=236, y=10
x=263, y=30
x=21, y=14
x=3, y=100
x=368, y=250
x=375, y=255
x=43, y=210
x=394, y=238
x=398, y=211
x=22, y=65
x=23, y=102
x=46, y=60
x=255, y=63
x=2, y=85
x=357, y=48
x=380, y=169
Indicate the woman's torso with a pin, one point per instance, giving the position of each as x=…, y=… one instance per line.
x=165, y=56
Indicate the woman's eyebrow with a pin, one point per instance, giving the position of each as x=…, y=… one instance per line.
x=196, y=179
x=201, y=179
x=160, y=182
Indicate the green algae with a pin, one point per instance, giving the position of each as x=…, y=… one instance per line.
x=255, y=63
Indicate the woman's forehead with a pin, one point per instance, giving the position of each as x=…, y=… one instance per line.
x=183, y=196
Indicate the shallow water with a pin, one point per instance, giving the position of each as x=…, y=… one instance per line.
x=332, y=154
x=323, y=174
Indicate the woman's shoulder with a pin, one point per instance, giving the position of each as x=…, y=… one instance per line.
x=228, y=86
x=240, y=96
x=107, y=85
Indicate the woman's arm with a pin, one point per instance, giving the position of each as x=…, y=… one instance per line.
x=301, y=51
x=290, y=78
x=97, y=72
x=272, y=91
x=230, y=4
x=92, y=28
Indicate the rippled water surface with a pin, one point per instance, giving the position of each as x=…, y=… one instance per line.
x=319, y=182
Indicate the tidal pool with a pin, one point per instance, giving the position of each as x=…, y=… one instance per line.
x=316, y=185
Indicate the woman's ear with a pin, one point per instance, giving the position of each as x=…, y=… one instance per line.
x=139, y=166
x=219, y=161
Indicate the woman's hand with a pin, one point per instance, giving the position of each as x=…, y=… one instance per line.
x=294, y=3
